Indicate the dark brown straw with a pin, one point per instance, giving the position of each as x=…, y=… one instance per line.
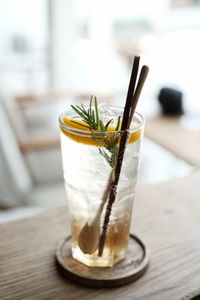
x=130, y=93
x=143, y=75
x=128, y=113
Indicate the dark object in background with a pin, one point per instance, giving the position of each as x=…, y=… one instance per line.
x=171, y=101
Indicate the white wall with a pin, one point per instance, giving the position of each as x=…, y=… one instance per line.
x=24, y=17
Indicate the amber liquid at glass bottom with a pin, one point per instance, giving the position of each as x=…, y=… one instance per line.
x=86, y=175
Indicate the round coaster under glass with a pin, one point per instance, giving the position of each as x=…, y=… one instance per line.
x=124, y=272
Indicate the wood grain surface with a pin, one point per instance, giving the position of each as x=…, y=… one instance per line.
x=166, y=216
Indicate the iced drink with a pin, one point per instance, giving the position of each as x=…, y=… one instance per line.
x=87, y=174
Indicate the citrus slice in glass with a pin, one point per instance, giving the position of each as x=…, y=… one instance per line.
x=82, y=134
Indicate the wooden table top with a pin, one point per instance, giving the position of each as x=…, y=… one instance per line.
x=166, y=216
x=176, y=135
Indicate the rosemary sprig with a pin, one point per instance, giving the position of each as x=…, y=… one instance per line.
x=90, y=116
x=108, y=142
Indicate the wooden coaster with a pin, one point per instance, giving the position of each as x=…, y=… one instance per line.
x=126, y=271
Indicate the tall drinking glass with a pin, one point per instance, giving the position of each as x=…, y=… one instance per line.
x=87, y=176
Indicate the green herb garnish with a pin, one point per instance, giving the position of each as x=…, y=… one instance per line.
x=108, y=142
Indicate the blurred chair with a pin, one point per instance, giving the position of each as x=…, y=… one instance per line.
x=18, y=183
x=36, y=132
x=15, y=181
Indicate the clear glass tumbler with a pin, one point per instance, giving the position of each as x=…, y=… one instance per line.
x=87, y=176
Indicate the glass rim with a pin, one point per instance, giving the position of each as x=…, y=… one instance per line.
x=72, y=129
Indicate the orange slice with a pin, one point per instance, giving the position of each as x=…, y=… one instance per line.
x=89, y=140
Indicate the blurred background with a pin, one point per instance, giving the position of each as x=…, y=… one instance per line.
x=57, y=52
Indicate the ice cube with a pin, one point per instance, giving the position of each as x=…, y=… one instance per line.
x=106, y=113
